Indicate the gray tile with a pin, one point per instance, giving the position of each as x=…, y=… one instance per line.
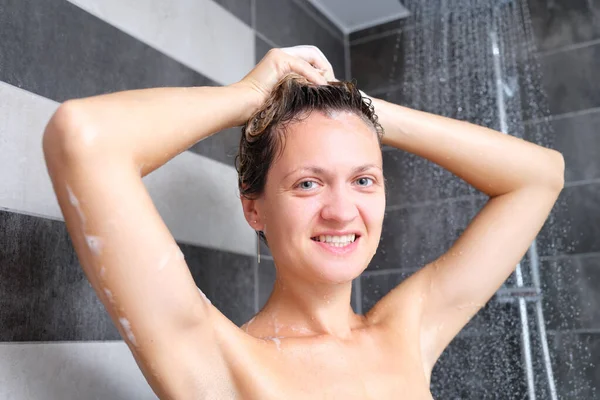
x=576, y=361
x=573, y=225
x=411, y=179
x=322, y=19
x=480, y=367
x=222, y=146
x=414, y=236
x=578, y=140
x=374, y=287
x=287, y=23
x=226, y=278
x=45, y=294
x=261, y=48
x=570, y=79
x=377, y=64
x=560, y=23
x=571, y=297
x=266, y=280
x=57, y=50
x=353, y=300
x=240, y=8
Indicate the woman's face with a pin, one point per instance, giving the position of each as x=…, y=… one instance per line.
x=327, y=182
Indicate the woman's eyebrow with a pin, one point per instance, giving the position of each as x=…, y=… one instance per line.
x=318, y=170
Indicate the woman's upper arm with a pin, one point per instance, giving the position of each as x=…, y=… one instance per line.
x=128, y=254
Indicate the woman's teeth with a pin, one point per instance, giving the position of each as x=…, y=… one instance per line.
x=337, y=241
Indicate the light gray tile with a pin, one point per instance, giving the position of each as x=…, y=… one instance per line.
x=216, y=43
x=69, y=371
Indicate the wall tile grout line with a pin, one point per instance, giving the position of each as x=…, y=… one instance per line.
x=428, y=203
x=376, y=36
x=570, y=47
x=558, y=117
x=266, y=39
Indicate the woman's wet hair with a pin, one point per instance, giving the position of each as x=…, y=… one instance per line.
x=293, y=99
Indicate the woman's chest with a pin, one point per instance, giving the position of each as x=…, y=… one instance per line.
x=332, y=372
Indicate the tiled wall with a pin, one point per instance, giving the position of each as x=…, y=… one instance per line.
x=567, y=34
x=56, y=339
x=447, y=68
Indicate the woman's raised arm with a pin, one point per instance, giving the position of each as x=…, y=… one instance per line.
x=97, y=149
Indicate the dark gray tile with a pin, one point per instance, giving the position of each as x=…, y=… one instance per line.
x=414, y=236
x=353, y=297
x=45, y=294
x=387, y=27
x=261, y=48
x=379, y=63
x=560, y=23
x=322, y=19
x=481, y=367
x=578, y=140
x=266, y=280
x=571, y=297
x=222, y=146
x=570, y=79
x=287, y=23
x=226, y=278
x=576, y=364
x=375, y=286
x=411, y=179
x=59, y=51
x=240, y=8
x=573, y=225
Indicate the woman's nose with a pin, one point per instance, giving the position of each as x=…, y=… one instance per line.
x=339, y=206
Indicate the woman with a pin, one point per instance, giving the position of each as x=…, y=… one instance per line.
x=307, y=179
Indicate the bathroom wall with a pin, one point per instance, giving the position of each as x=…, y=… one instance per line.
x=439, y=60
x=567, y=36
x=56, y=340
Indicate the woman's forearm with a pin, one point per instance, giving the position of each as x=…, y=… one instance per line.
x=150, y=126
x=491, y=161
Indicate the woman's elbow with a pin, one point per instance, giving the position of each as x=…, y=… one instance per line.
x=64, y=131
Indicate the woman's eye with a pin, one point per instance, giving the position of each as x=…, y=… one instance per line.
x=306, y=184
x=364, y=181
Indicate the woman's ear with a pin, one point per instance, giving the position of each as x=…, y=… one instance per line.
x=252, y=213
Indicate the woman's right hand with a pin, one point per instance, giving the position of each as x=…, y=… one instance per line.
x=307, y=61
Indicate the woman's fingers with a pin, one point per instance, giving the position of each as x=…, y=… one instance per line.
x=314, y=56
x=305, y=69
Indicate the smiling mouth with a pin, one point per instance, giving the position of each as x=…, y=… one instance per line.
x=336, y=241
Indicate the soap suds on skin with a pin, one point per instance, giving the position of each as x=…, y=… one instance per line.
x=276, y=340
x=176, y=251
x=94, y=243
x=109, y=295
x=127, y=328
x=75, y=203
